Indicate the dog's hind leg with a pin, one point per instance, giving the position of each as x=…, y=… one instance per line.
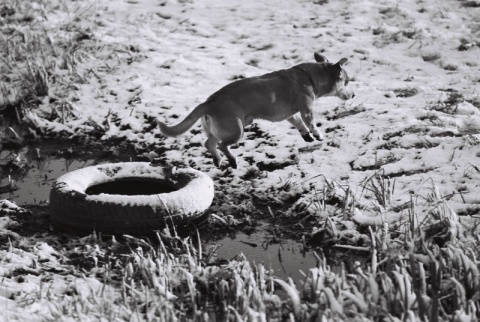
x=233, y=136
x=211, y=145
x=224, y=147
x=297, y=121
x=212, y=141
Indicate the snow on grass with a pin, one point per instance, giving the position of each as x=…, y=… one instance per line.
x=407, y=143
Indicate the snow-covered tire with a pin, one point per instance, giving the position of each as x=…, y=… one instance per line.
x=73, y=209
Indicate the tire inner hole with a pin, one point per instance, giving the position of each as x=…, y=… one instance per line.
x=132, y=187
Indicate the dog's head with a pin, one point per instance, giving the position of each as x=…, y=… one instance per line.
x=338, y=78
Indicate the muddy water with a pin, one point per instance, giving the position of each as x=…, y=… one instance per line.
x=34, y=176
x=284, y=257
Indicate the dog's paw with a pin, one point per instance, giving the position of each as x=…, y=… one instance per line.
x=233, y=162
x=318, y=137
x=216, y=162
x=308, y=137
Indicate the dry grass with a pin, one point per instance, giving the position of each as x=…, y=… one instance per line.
x=39, y=55
x=419, y=268
x=157, y=282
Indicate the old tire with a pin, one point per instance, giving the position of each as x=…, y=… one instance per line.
x=73, y=210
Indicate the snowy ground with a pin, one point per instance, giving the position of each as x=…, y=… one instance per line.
x=415, y=117
x=415, y=73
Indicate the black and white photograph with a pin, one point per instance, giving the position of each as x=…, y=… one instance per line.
x=239, y=160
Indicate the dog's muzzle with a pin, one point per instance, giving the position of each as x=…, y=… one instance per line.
x=345, y=94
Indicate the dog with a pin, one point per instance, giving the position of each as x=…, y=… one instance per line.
x=286, y=94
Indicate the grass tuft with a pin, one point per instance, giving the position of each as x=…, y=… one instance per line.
x=39, y=56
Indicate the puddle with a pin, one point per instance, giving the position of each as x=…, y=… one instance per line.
x=285, y=257
x=34, y=177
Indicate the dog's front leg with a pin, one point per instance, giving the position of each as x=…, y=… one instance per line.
x=297, y=121
x=309, y=119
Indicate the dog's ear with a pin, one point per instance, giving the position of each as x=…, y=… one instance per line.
x=342, y=62
x=320, y=58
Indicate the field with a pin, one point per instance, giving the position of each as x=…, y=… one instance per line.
x=395, y=182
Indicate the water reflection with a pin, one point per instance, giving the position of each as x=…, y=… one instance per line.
x=285, y=257
x=31, y=175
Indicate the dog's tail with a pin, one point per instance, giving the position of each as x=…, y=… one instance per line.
x=185, y=125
